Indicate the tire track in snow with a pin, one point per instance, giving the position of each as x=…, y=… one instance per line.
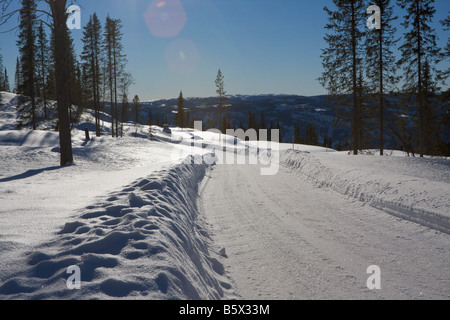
x=287, y=239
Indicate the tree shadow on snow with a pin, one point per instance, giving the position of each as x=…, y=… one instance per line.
x=28, y=174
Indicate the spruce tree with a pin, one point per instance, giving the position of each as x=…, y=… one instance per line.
x=342, y=61
x=419, y=48
x=27, y=111
x=180, y=118
x=17, y=78
x=116, y=63
x=42, y=66
x=381, y=62
x=6, y=87
x=91, y=55
x=221, y=93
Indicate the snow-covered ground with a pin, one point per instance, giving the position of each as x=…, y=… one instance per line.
x=156, y=219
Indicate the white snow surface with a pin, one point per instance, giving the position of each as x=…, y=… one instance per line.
x=155, y=219
x=416, y=189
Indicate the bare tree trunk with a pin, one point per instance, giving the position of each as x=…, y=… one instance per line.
x=58, y=9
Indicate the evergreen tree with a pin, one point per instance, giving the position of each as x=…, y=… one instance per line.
x=17, y=78
x=419, y=48
x=91, y=55
x=221, y=90
x=342, y=61
x=446, y=52
x=27, y=111
x=180, y=118
x=42, y=66
x=6, y=86
x=221, y=93
x=380, y=60
x=116, y=63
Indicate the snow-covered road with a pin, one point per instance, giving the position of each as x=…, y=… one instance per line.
x=288, y=239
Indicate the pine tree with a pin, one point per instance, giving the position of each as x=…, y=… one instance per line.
x=42, y=66
x=27, y=111
x=180, y=118
x=116, y=63
x=6, y=87
x=446, y=52
x=380, y=60
x=419, y=47
x=17, y=78
x=91, y=55
x=342, y=61
x=221, y=93
x=108, y=40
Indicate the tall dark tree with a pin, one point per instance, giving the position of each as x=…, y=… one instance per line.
x=380, y=60
x=17, y=77
x=56, y=11
x=116, y=63
x=180, y=118
x=446, y=52
x=4, y=80
x=58, y=14
x=220, y=85
x=342, y=60
x=27, y=111
x=419, y=48
x=6, y=86
x=42, y=63
x=91, y=55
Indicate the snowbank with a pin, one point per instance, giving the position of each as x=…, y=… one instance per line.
x=32, y=139
x=143, y=242
x=410, y=188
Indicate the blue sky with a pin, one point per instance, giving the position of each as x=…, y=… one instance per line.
x=261, y=46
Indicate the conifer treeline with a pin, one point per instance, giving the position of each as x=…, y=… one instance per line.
x=98, y=75
x=360, y=69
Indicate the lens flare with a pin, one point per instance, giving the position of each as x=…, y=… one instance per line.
x=165, y=18
x=182, y=56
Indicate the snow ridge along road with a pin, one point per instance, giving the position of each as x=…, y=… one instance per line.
x=414, y=189
x=287, y=238
x=143, y=242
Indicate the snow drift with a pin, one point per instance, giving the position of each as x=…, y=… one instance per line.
x=410, y=188
x=143, y=242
